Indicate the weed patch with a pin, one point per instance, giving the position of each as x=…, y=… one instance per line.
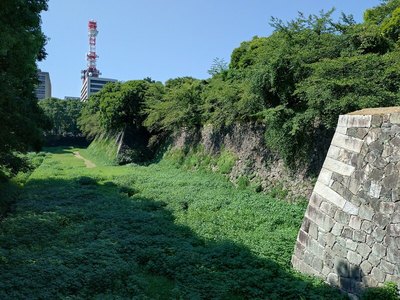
x=148, y=232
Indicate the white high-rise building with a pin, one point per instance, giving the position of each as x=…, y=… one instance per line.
x=92, y=85
x=43, y=89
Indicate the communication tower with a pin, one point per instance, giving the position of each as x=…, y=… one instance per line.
x=91, y=56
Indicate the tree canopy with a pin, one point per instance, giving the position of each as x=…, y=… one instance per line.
x=22, y=44
x=296, y=81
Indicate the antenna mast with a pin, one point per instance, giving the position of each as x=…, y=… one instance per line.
x=91, y=56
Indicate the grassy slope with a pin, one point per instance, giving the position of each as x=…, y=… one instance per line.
x=153, y=232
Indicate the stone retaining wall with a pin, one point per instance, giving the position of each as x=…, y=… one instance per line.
x=350, y=234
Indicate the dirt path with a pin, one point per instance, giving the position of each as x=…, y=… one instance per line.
x=88, y=163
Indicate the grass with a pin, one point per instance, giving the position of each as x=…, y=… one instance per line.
x=147, y=232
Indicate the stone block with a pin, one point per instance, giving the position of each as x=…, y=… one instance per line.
x=324, y=222
x=325, y=271
x=379, y=250
x=386, y=208
x=303, y=238
x=395, y=118
x=328, y=209
x=351, y=245
x=339, y=250
x=378, y=234
x=370, y=240
x=378, y=275
x=342, y=217
x=366, y=212
x=313, y=231
x=380, y=163
x=393, y=278
x=350, y=208
x=370, y=281
x=396, y=217
x=355, y=222
x=341, y=129
x=357, y=121
x=347, y=142
x=391, y=181
x=393, y=255
x=375, y=189
x=305, y=226
x=387, y=267
x=395, y=142
x=330, y=239
x=342, y=122
x=376, y=121
x=364, y=250
x=359, y=133
x=391, y=242
x=333, y=279
x=315, y=200
x=333, y=152
x=308, y=258
x=329, y=194
x=354, y=258
x=299, y=250
x=321, y=238
x=325, y=176
x=337, y=229
x=374, y=260
x=367, y=226
x=316, y=249
x=359, y=236
x=317, y=264
x=382, y=220
x=354, y=185
x=347, y=232
x=366, y=267
x=338, y=167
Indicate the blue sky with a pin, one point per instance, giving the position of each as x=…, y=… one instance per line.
x=161, y=39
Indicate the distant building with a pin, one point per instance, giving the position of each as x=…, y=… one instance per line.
x=43, y=89
x=92, y=85
x=71, y=98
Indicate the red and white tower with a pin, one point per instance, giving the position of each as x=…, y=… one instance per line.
x=91, y=56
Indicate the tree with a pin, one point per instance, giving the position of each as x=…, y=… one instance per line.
x=63, y=115
x=22, y=43
x=218, y=66
x=178, y=106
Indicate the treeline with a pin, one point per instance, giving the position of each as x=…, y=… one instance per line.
x=21, y=45
x=296, y=81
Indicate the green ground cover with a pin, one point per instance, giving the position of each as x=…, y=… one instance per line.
x=147, y=232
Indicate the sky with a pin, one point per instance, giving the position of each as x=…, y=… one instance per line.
x=162, y=39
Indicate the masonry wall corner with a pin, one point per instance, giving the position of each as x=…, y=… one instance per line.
x=350, y=235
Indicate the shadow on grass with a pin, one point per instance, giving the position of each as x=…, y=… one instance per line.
x=59, y=149
x=75, y=239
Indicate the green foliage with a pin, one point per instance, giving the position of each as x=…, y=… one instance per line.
x=89, y=119
x=103, y=150
x=297, y=81
x=152, y=232
x=22, y=43
x=176, y=107
x=197, y=159
x=218, y=66
x=225, y=162
x=10, y=188
x=243, y=182
x=63, y=115
x=389, y=291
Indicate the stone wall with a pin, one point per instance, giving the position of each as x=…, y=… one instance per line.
x=350, y=234
x=254, y=159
